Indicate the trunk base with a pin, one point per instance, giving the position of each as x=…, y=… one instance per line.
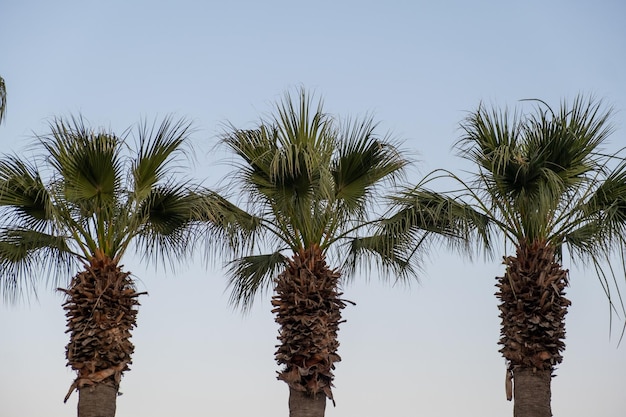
x=302, y=404
x=97, y=400
x=532, y=393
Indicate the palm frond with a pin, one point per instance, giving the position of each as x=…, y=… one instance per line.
x=444, y=215
x=388, y=253
x=157, y=147
x=95, y=195
x=23, y=254
x=87, y=160
x=23, y=192
x=603, y=216
x=236, y=228
x=362, y=162
x=250, y=275
x=165, y=223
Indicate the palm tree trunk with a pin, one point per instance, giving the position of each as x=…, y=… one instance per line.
x=101, y=312
x=98, y=400
x=308, y=308
x=532, y=393
x=302, y=404
x=533, y=310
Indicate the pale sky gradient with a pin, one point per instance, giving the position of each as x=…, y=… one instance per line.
x=418, y=66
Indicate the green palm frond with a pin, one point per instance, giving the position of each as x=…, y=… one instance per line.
x=547, y=176
x=530, y=167
x=420, y=213
x=400, y=256
x=603, y=215
x=165, y=222
x=88, y=161
x=24, y=250
x=93, y=192
x=309, y=180
x=232, y=225
x=167, y=209
x=251, y=275
x=157, y=148
x=23, y=192
x=361, y=162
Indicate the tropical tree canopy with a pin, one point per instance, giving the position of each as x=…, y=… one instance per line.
x=308, y=179
x=90, y=194
x=550, y=176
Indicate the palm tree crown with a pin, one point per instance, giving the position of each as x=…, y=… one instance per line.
x=308, y=182
x=86, y=199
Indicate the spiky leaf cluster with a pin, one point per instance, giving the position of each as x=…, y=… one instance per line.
x=546, y=175
x=305, y=178
x=91, y=192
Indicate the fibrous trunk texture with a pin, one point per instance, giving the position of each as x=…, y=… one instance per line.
x=532, y=309
x=308, y=308
x=101, y=313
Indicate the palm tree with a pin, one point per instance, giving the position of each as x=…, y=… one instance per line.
x=312, y=187
x=77, y=210
x=546, y=183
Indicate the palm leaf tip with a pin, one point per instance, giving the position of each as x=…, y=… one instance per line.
x=159, y=147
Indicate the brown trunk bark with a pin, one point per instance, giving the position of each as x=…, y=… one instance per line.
x=302, y=404
x=97, y=400
x=532, y=393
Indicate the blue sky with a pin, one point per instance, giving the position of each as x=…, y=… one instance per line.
x=418, y=67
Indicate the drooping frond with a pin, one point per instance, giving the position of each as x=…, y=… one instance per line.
x=419, y=217
x=388, y=253
x=99, y=196
x=251, y=275
x=602, y=216
x=424, y=209
x=223, y=219
x=21, y=252
x=23, y=192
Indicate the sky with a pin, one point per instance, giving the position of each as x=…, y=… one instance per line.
x=418, y=67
